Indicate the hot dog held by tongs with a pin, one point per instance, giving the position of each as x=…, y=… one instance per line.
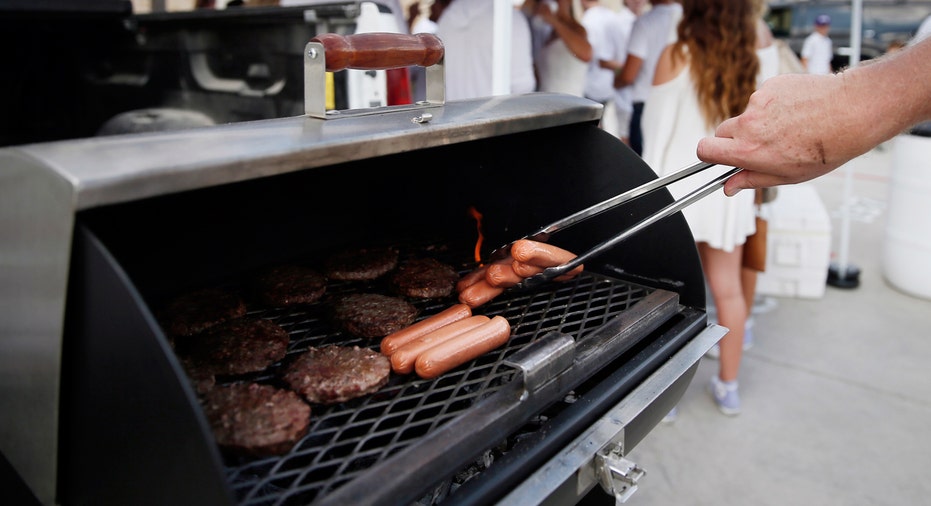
x=526, y=258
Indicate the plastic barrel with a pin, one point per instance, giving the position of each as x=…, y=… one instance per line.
x=906, y=254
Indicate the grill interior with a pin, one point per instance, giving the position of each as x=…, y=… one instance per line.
x=346, y=439
x=129, y=258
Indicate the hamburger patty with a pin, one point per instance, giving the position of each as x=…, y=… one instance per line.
x=361, y=264
x=236, y=347
x=257, y=420
x=424, y=278
x=334, y=374
x=199, y=310
x=287, y=285
x=372, y=315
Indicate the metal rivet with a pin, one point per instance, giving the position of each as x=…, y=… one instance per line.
x=423, y=118
x=312, y=53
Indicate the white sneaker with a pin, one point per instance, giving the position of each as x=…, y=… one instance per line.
x=725, y=395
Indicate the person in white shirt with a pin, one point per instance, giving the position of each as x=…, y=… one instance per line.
x=599, y=22
x=423, y=24
x=651, y=33
x=465, y=29
x=818, y=50
x=623, y=97
x=561, y=50
x=705, y=77
x=602, y=26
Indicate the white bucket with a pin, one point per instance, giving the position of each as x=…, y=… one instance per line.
x=906, y=255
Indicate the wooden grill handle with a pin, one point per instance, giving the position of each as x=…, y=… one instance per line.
x=379, y=51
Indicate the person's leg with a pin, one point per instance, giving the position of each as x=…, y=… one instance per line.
x=623, y=123
x=748, y=283
x=722, y=271
x=636, y=135
x=748, y=279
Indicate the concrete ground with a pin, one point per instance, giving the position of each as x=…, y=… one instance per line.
x=836, y=391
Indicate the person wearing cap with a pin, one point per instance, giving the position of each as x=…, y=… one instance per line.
x=818, y=50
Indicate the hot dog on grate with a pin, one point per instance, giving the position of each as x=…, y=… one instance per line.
x=463, y=348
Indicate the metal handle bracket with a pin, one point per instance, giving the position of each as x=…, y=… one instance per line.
x=617, y=475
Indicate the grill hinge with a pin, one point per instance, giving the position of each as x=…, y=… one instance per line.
x=543, y=360
x=617, y=475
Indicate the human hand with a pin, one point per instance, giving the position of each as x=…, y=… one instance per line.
x=796, y=127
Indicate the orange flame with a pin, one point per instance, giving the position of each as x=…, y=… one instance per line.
x=473, y=212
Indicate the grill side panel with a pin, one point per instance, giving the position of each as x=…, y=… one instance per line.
x=131, y=428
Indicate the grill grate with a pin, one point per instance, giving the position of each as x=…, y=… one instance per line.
x=346, y=439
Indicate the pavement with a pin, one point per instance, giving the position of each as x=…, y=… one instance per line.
x=836, y=391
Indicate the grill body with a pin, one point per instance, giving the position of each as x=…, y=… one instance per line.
x=133, y=220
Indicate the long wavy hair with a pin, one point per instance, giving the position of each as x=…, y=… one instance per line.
x=720, y=39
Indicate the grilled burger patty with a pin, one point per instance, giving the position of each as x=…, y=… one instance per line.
x=257, y=420
x=361, y=264
x=287, y=285
x=196, y=311
x=372, y=315
x=335, y=374
x=236, y=347
x=424, y=278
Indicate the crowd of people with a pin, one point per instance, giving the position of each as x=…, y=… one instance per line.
x=687, y=79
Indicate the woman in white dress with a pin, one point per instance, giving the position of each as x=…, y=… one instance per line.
x=703, y=77
x=561, y=46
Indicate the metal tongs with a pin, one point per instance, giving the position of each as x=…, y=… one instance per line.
x=545, y=233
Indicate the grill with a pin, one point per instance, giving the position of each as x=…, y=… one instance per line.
x=347, y=439
x=105, y=230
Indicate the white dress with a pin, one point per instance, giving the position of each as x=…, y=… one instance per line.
x=672, y=127
x=559, y=70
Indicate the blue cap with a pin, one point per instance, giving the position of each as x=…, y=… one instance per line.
x=822, y=20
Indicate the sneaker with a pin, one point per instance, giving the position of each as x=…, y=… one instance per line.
x=672, y=415
x=725, y=395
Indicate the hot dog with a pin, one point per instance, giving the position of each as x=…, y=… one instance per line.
x=478, y=274
x=402, y=360
x=540, y=254
x=479, y=293
x=502, y=275
x=471, y=278
x=391, y=342
x=525, y=270
x=463, y=348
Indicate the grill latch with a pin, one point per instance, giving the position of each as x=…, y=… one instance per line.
x=617, y=475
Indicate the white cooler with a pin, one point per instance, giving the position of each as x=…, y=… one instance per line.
x=799, y=244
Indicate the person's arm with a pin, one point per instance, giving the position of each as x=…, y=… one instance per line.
x=805, y=53
x=627, y=74
x=571, y=32
x=798, y=127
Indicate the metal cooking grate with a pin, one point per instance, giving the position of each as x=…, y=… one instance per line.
x=346, y=439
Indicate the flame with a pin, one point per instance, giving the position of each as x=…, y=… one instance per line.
x=473, y=212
